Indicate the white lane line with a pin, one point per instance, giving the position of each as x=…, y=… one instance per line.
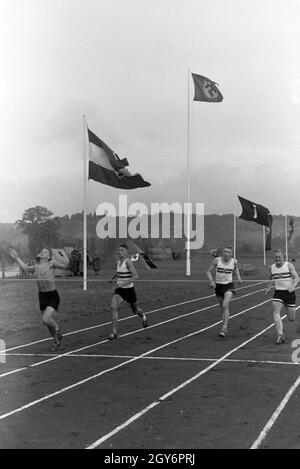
x=125, y=319
x=90, y=378
x=109, y=322
x=33, y=365
x=173, y=391
x=161, y=358
x=275, y=415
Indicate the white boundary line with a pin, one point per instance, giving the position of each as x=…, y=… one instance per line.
x=56, y=357
x=109, y=322
x=90, y=378
x=126, y=318
x=173, y=391
x=275, y=415
x=161, y=358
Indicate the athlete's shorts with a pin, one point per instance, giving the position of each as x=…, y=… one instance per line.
x=127, y=294
x=221, y=289
x=286, y=297
x=49, y=298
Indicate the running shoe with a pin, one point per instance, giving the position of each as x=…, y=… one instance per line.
x=280, y=340
x=145, y=322
x=57, y=340
x=112, y=336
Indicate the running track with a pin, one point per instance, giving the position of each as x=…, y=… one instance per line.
x=172, y=385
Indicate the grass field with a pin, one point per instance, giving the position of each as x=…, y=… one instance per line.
x=172, y=385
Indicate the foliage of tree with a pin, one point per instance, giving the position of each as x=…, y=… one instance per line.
x=41, y=228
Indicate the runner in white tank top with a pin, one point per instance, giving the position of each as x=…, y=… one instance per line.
x=285, y=279
x=124, y=290
x=124, y=274
x=223, y=268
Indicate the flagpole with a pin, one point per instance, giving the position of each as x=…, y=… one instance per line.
x=188, y=246
x=234, y=227
x=286, y=240
x=84, y=127
x=264, y=243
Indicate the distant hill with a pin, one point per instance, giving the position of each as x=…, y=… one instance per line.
x=218, y=231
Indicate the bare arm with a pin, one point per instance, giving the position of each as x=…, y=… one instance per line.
x=27, y=268
x=295, y=276
x=237, y=272
x=270, y=283
x=210, y=271
x=132, y=269
x=110, y=280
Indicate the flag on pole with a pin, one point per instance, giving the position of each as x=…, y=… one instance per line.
x=291, y=231
x=258, y=214
x=254, y=212
x=269, y=236
x=206, y=90
x=107, y=168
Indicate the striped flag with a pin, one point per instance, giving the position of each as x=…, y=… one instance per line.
x=107, y=168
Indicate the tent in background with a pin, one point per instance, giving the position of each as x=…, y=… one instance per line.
x=69, y=250
x=160, y=253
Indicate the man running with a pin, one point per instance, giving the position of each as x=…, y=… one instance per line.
x=48, y=295
x=125, y=291
x=223, y=268
x=285, y=278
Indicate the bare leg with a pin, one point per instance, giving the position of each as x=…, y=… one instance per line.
x=51, y=330
x=225, y=309
x=277, y=306
x=49, y=321
x=53, y=327
x=115, y=302
x=140, y=313
x=291, y=313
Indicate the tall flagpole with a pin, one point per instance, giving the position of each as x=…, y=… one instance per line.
x=234, y=227
x=264, y=242
x=286, y=240
x=84, y=127
x=188, y=246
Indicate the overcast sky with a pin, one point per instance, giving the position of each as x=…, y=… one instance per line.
x=123, y=63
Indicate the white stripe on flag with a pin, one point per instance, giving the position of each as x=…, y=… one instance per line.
x=99, y=157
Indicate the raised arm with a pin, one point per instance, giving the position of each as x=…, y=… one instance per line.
x=27, y=268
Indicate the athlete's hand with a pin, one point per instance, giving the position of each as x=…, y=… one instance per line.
x=240, y=281
x=212, y=285
x=13, y=253
x=291, y=289
x=267, y=291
